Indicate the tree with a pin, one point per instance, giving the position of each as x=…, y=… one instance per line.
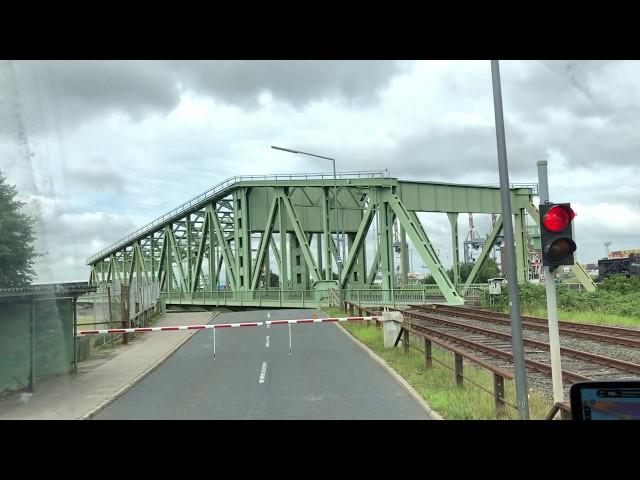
x=488, y=270
x=16, y=240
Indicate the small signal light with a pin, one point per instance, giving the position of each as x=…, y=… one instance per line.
x=557, y=218
x=556, y=234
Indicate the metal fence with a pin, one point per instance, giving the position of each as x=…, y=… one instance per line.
x=103, y=309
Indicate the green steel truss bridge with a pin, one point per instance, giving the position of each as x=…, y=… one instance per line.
x=219, y=247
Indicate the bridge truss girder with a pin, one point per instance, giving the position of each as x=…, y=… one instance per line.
x=189, y=251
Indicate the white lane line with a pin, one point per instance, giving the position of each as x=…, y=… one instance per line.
x=263, y=372
x=267, y=344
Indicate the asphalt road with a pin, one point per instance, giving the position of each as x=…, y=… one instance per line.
x=326, y=377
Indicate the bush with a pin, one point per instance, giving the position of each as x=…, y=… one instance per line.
x=617, y=295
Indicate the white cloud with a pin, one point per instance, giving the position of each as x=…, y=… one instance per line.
x=128, y=141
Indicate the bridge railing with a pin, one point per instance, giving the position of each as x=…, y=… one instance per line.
x=303, y=298
x=204, y=196
x=369, y=297
x=258, y=298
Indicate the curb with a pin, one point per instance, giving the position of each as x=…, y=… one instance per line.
x=112, y=398
x=396, y=376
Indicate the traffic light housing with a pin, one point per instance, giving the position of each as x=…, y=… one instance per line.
x=556, y=234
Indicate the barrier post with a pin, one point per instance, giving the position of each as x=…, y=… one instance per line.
x=459, y=377
x=405, y=342
x=498, y=393
x=428, y=358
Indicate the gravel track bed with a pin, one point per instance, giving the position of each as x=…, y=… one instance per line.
x=628, y=354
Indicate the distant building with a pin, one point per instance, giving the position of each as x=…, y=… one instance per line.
x=624, y=253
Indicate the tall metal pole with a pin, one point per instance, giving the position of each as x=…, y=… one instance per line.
x=552, y=309
x=522, y=399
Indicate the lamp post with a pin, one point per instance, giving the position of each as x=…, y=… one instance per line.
x=335, y=195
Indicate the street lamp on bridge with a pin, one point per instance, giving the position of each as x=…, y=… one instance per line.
x=335, y=195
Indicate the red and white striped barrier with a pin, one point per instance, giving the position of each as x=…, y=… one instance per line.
x=226, y=325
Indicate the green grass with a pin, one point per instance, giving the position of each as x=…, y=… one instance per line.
x=437, y=385
x=590, y=317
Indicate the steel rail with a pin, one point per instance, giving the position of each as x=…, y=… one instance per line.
x=534, y=325
x=569, y=352
x=569, y=376
x=631, y=332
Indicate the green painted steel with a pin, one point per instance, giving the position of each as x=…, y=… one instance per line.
x=404, y=257
x=583, y=277
x=421, y=242
x=455, y=244
x=187, y=249
x=521, y=244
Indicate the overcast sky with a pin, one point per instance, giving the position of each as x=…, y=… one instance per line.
x=99, y=148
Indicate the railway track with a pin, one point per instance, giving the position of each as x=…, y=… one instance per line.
x=627, y=337
x=495, y=347
x=578, y=365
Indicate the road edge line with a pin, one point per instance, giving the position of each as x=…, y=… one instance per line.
x=395, y=375
x=128, y=386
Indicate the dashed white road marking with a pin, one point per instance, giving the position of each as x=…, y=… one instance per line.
x=267, y=344
x=263, y=372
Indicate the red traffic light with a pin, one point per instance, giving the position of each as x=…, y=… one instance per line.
x=557, y=218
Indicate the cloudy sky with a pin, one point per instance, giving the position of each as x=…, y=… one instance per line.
x=99, y=148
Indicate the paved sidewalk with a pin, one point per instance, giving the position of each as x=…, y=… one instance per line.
x=104, y=377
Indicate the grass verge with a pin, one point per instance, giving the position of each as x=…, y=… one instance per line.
x=437, y=385
x=590, y=317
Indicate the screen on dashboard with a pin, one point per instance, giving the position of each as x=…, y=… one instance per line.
x=610, y=403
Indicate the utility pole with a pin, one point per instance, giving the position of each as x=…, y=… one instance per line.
x=522, y=395
x=552, y=309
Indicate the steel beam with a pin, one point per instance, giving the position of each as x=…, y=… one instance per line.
x=423, y=245
x=521, y=245
x=359, y=241
x=404, y=257
x=284, y=270
x=455, y=244
x=175, y=253
x=227, y=255
x=302, y=238
x=265, y=242
x=200, y=255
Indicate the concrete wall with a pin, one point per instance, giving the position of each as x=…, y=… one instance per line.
x=15, y=345
x=53, y=340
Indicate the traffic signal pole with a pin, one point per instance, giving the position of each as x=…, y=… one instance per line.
x=552, y=308
x=522, y=394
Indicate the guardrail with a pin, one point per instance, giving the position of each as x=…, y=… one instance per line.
x=215, y=190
